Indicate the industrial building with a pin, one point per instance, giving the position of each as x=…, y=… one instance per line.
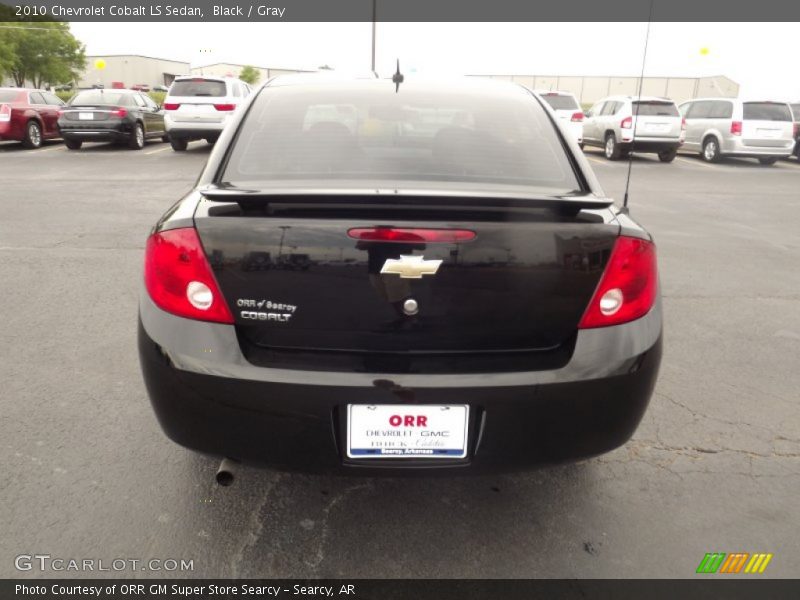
x=127, y=70
x=233, y=70
x=590, y=89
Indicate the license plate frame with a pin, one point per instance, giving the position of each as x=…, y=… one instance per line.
x=657, y=127
x=446, y=428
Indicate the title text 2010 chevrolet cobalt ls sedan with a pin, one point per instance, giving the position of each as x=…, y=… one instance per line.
x=369, y=279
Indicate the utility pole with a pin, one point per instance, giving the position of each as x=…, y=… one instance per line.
x=374, y=8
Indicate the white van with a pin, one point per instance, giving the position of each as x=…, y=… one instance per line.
x=718, y=127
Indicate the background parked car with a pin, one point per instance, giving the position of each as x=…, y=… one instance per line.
x=111, y=115
x=200, y=107
x=568, y=110
x=620, y=124
x=160, y=88
x=718, y=127
x=28, y=116
x=796, y=115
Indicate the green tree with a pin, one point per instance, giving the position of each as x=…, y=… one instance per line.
x=250, y=75
x=42, y=52
x=6, y=56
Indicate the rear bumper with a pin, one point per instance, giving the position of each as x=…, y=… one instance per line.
x=651, y=144
x=190, y=130
x=208, y=398
x=198, y=133
x=737, y=147
x=114, y=132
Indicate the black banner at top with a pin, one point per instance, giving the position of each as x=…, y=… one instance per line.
x=402, y=10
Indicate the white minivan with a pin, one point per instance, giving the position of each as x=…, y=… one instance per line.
x=718, y=127
x=199, y=107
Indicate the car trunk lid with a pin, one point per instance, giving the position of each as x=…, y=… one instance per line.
x=296, y=277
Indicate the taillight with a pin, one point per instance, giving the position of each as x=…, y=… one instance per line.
x=795, y=130
x=736, y=127
x=577, y=117
x=627, y=288
x=171, y=106
x=393, y=234
x=627, y=123
x=226, y=107
x=119, y=112
x=179, y=279
x=5, y=112
x=683, y=124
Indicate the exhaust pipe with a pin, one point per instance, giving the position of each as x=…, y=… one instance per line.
x=226, y=472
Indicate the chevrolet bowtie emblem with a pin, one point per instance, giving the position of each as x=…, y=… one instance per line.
x=410, y=267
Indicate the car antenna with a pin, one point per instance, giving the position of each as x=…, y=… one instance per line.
x=636, y=110
x=397, y=78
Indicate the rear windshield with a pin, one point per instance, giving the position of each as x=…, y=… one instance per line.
x=655, y=109
x=92, y=97
x=432, y=134
x=197, y=87
x=766, y=111
x=559, y=102
x=8, y=96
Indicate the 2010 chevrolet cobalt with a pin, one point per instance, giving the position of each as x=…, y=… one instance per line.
x=373, y=276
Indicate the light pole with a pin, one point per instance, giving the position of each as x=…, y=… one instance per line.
x=374, y=9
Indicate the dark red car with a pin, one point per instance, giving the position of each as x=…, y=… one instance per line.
x=29, y=116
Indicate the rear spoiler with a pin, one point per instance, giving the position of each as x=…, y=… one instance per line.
x=398, y=197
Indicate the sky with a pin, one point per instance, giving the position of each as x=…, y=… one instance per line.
x=758, y=56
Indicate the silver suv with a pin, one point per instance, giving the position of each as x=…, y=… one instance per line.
x=717, y=127
x=621, y=124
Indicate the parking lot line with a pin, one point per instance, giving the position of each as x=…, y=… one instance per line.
x=694, y=162
x=48, y=149
x=166, y=147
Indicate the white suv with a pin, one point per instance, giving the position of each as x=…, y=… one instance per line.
x=621, y=124
x=198, y=107
x=567, y=109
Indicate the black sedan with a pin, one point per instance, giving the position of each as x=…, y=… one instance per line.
x=469, y=299
x=99, y=115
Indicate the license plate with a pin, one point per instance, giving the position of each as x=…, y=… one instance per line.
x=657, y=127
x=768, y=133
x=407, y=430
x=84, y=116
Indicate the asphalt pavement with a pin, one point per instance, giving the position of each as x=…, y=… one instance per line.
x=88, y=474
